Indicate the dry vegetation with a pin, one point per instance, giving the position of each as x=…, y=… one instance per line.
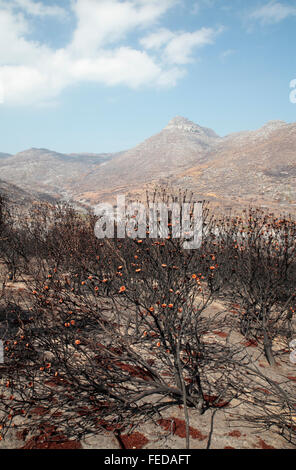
x=109, y=334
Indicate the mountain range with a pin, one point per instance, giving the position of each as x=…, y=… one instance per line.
x=245, y=168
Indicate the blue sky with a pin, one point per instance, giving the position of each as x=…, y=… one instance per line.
x=103, y=75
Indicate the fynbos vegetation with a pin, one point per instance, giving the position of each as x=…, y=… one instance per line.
x=105, y=334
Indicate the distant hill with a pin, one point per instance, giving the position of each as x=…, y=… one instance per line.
x=179, y=145
x=250, y=167
x=48, y=171
x=4, y=155
x=16, y=195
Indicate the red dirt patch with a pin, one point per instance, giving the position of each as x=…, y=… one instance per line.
x=34, y=443
x=150, y=362
x=116, y=350
x=39, y=410
x=178, y=428
x=211, y=399
x=264, y=390
x=251, y=343
x=83, y=411
x=290, y=377
x=136, y=440
x=134, y=371
x=262, y=444
x=50, y=439
x=21, y=435
x=222, y=334
x=235, y=433
x=109, y=426
x=54, y=381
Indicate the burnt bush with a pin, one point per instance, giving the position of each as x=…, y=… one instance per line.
x=262, y=259
x=112, y=332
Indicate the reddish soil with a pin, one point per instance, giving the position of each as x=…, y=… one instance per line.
x=251, y=343
x=212, y=400
x=264, y=390
x=134, y=371
x=21, y=435
x=222, y=334
x=134, y=440
x=262, y=444
x=235, y=433
x=50, y=439
x=39, y=410
x=178, y=428
x=54, y=381
x=109, y=427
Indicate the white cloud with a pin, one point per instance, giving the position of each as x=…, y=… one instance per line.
x=157, y=39
x=31, y=72
x=179, y=50
x=35, y=8
x=178, y=47
x=105, y=22
x=122, y=66
x=14, y=48
x=273, y=12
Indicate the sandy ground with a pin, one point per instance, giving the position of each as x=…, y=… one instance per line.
x=223, y=430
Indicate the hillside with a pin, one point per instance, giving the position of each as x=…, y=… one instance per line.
x=250, y=167
x=48, y=171
x=257, y=167
x=16, y=195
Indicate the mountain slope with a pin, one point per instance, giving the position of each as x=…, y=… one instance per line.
x=250, y=167
x=48, y=171
x=178, y=146
x=257, y=167
x=4, y=155
x=18, y=196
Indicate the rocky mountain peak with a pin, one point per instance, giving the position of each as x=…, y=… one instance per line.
x=267, y=129
x=180, y=123
x=32, y=153
x=275, y=124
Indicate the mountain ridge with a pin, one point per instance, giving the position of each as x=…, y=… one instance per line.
x=256, y=166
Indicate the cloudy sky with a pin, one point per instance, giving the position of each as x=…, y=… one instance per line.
x=102, y=75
